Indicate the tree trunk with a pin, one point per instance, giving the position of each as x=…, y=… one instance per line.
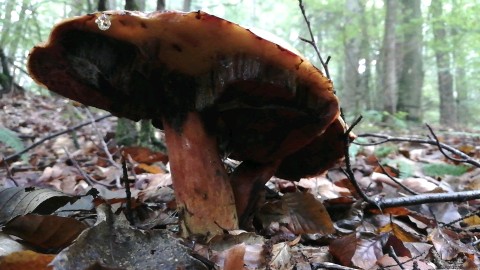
x=365, y=52
x=160, y=5
x=349, y=95
x=389, y=74
x=130, y=5
x=102, y=5
x=187, y=5
x=448, y=114
x=410, y=83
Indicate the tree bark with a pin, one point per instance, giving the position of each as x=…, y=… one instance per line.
x=448, y=113
x=410, y=83
x=389, y=74
x=350, y=95
x=160, y=5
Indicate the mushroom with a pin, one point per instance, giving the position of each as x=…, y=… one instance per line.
x=215, y=88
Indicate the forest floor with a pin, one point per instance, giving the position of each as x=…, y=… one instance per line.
x=70, y=187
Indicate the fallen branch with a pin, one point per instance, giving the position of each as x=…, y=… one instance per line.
x=51, y=136
x=387, y=138
x=460, y=196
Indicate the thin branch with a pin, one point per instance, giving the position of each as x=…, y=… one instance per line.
x=427, y=198
x=440, y=147
x=348, y=166
x=312, y=40
x=51, y=136
x=126, y=182
x=85, y=176
x=395, y=180
x=387, y=138
x=391, y=253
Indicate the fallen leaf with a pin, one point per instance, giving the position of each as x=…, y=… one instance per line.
x=281, y=256
x=48, y=232
x=17, y=201
x=26, y=260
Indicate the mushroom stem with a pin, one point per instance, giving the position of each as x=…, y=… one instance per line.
x=248, y=181
x=203, y=191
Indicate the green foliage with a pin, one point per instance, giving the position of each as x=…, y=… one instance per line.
x=384, y=150
x=436, y=170
x=404, y=168
x=11, y=139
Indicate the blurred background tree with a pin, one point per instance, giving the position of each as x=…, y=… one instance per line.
x=410, y=61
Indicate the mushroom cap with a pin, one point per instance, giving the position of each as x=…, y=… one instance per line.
x=262, y=101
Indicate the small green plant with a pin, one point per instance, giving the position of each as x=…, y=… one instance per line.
x=11, y=139
x=404, y=168
x=436, y=170
x=384, y=150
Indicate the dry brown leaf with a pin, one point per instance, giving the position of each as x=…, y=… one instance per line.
x=369, y=250
x=387, y=262
x=447, y=243
x=281, y=257
x=344, y=248
x=399, y=232
x=307, y=214
x=18, y=201
x=145, y=155
x=472, y=220
x=26, y=260
x=49, y=232
x=234, y=257
x=254, y=255
x=142, y=168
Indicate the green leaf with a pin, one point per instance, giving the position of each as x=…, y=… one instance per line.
x=11, y=139
x=444, y=169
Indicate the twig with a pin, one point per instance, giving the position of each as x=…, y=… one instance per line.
x=391, y=253
x=126, y=182
x=426, y=198
x=329, y=265
x=105, y=148
x=387, y=138
x=87, y=177
x=396, y=181
x=348, y=166
x=102, y=141
x=9, y=174
x=51, y=136
x=312, y=40
x=440, y=147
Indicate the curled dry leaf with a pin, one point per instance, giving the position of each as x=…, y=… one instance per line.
x=19, y=201
x=48, y=232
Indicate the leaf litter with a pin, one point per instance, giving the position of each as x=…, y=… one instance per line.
x=68, y=191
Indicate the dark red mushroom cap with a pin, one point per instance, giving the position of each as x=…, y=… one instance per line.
x=262, y=100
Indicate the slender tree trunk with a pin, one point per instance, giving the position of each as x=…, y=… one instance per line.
x=412, y=74
x=160, y=5
x=389, y=76
x=448, y=114
x=365, y=52
x=350, y=95
x=187, y=5
x=102, y=5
